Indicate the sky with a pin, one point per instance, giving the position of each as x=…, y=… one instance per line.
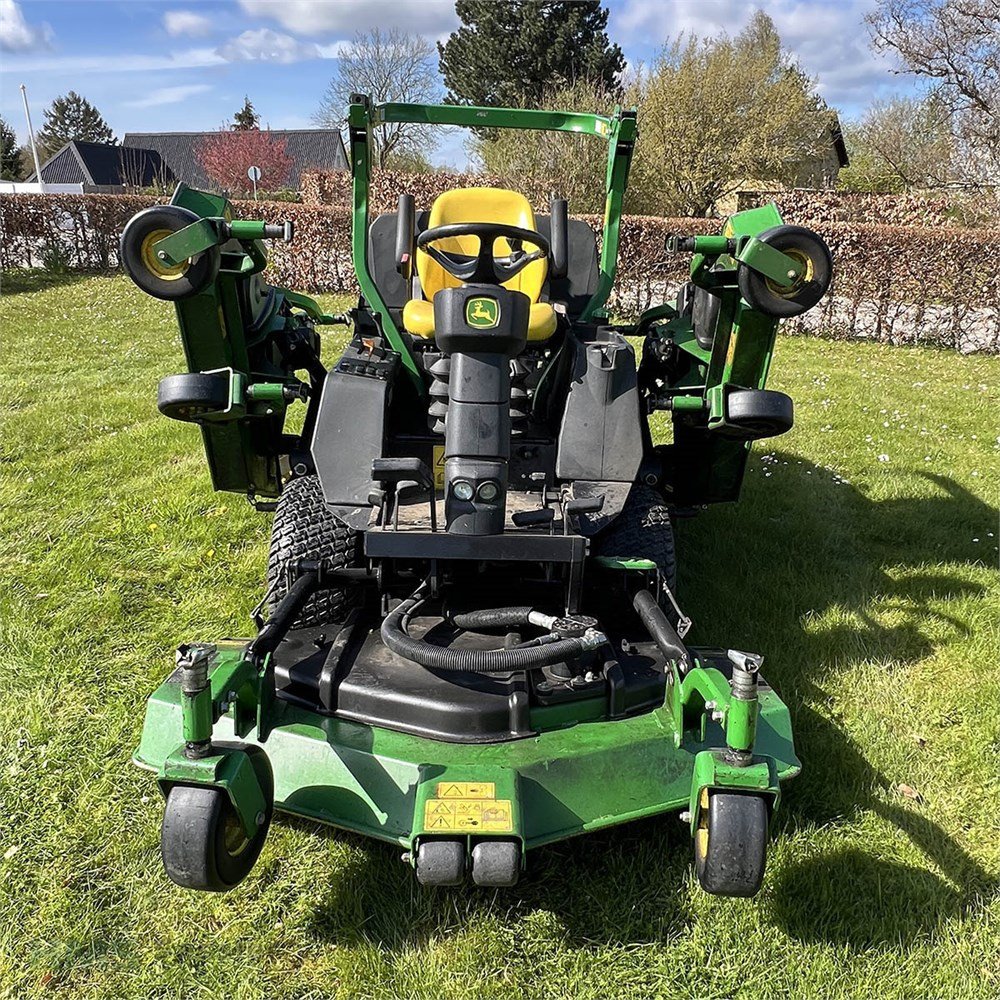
x=164, y=66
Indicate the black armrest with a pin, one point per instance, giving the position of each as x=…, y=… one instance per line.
x=399, y=470
x=405, y=243
x=558, y=237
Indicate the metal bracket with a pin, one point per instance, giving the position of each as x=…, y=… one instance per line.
x=684, y=623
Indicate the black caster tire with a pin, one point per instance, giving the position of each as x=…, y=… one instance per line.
x=192, y=396
x=730, y=843
x=441, y=862
x=752, y=414
x=202, y=842
x=810, y=252
x=170, y=283
x=496, y=863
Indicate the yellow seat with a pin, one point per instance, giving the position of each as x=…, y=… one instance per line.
x=479, y=205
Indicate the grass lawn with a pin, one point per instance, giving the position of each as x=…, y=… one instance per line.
x=862, y=561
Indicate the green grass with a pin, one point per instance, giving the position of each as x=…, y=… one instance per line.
x=871, y=586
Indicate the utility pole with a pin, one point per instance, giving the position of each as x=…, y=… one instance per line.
x=31, y=140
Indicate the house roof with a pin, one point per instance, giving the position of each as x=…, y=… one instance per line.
x=837, y=137
x=322, y=148
x=99, y=163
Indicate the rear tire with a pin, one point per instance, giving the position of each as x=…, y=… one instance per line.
x=643, y=530
x=305, y=528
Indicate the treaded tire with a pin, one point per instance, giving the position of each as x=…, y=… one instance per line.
x=643, y=530
x=305, y=528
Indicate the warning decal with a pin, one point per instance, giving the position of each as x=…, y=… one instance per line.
x=468, y=816
x=468, y=807
x=439, y=466
x=466, y=790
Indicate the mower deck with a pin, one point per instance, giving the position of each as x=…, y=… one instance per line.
x=400, y=787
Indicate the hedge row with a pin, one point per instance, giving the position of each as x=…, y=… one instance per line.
x=811, y=208
x=333, y=187
x=894, y=283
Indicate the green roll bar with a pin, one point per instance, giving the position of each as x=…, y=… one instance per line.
x=618, y=130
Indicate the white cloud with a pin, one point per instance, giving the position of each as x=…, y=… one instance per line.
x=265, y=45
x=168, y=95
x=69, y=65
x=16, y=35
x=343, y=17
x=186, y=22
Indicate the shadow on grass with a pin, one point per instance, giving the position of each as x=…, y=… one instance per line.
x=19, y=281
x=860, y=558
x=761, y=575
x=614, y=886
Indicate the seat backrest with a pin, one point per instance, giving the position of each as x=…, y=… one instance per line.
x=480, y=205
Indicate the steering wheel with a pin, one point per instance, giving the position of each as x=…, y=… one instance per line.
x=484, y=268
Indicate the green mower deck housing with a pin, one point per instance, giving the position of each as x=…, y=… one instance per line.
x=474, y=643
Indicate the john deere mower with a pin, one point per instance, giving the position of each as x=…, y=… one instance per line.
x=471, y=642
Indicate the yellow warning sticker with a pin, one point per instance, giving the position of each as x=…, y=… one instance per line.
x=466, y=790
x=468, y=816
x=439, y=466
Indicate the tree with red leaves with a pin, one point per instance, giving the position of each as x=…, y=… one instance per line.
x=226, y=156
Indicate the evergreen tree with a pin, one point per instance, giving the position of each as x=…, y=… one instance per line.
x=10, y=155
x=246, y=117
x=72, y=117
x=513, y=52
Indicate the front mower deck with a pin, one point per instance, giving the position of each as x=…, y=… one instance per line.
x=558, y=783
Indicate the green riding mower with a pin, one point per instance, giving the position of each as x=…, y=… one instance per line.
x=471, y=642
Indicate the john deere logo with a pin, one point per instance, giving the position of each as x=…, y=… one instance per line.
x=482, y=313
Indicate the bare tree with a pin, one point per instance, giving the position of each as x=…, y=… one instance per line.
x=391, y=66
x=900, y=145
x=955, y=43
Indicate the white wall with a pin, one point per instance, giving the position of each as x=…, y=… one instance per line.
x=18, y=187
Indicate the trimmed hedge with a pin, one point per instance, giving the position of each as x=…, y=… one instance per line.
x=894, y=283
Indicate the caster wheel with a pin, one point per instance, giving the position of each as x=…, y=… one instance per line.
x=757, y=413
x=202, y=842
x=163, y=281
x=496, y=862
x=813, y=257
x=441, y=862
x=730, y=844
x=190, y=397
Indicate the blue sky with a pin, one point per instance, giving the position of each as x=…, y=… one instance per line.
x=164, y=66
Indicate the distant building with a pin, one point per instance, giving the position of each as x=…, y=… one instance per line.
x=145, y=159
x=822, y=172
x=100, y=167
x=322, y=149
x=819, y=173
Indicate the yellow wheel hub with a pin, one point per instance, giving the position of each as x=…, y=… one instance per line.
x=701, y=832
x=153, y=264
x=805, y=268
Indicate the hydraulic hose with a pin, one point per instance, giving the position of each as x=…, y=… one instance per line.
x=492, y=618
x=490, y=661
